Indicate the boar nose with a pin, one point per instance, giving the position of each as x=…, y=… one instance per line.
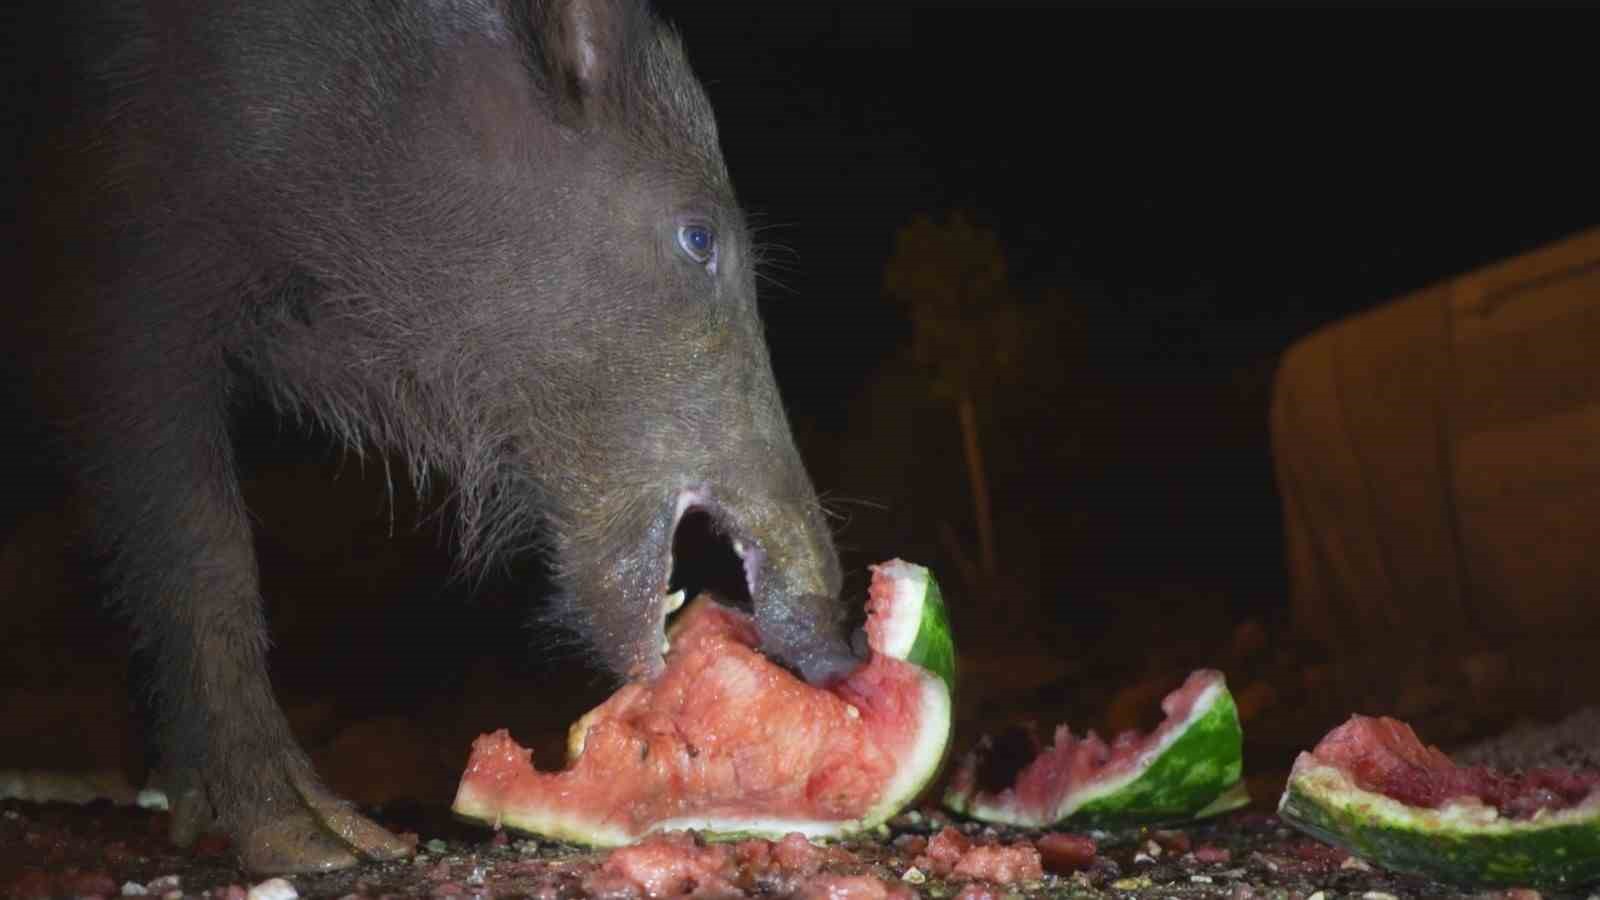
x=827, y=661
x=804, y=633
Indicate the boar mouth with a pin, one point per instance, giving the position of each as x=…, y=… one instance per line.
x=707, y=553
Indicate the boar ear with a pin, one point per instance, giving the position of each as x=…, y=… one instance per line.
x=584, y=45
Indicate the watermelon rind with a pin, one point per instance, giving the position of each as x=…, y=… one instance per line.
x=1193, y=772
x=915, y=599
x=916, y=626
x=1235, y=796
x=1463, y=841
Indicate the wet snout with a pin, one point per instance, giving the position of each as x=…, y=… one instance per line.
x=805, y=633
x=764, y=561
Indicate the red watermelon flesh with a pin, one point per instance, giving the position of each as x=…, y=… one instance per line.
x=1047, y=774
x=724, y=741
x=1385, y=756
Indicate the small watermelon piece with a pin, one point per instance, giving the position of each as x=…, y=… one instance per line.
x=906, y=619
x=1187, y=767
x=730, y=744
x=1373, y=788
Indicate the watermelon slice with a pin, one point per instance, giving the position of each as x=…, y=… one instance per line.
x=1188, y=767
x=1371, y=787
x=730, y=744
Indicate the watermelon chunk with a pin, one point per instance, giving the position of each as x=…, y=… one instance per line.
x=906, y=619
x=1373, y=788
x=1187, y=767
x=728, y=743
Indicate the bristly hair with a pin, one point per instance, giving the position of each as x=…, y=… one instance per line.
x=768, y=257
x=467, y=421
x=492, y=501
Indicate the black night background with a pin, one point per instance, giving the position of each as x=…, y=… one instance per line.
x=1173, y=212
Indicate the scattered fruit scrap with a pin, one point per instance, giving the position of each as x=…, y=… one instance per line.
x=1188, y=767
x=1371, y=786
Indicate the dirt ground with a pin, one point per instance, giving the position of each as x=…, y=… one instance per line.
x=61, y=850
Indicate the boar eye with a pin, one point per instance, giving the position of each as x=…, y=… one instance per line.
x=700, y=243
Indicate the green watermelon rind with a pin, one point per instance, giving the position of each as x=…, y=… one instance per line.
x=1194, y=772
x=931, y=650
x=1234, y=796
x=918, y=631
x=1461, y=842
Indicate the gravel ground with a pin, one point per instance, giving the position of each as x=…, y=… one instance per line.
x=101, y=849
x=1573, y=741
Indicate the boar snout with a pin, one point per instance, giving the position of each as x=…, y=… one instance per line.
x=788, y=568
x=807, y=633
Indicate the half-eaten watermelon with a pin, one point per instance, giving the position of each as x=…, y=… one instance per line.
x=1373, y=788
x=1187, y=767
x=730, y=744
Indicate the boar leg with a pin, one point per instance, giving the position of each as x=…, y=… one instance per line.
x=183, y=569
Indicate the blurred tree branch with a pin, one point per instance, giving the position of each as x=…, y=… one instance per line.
x=968, y=332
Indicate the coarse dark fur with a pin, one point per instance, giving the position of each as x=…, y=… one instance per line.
x=448, y=229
